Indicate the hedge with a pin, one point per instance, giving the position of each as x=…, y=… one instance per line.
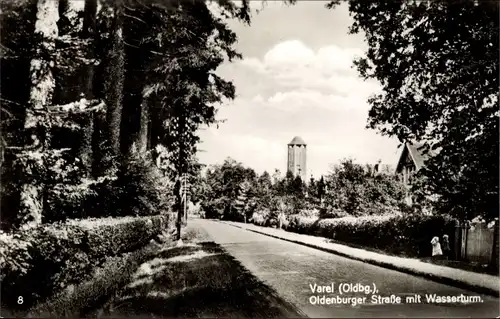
x=39, y=262
x=399, y=234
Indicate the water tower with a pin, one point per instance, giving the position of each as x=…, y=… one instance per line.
x=297, y=150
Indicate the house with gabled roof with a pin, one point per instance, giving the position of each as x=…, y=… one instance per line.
x=411, y=160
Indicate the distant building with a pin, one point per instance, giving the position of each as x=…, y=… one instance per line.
x=410, y=161
x=297, y=150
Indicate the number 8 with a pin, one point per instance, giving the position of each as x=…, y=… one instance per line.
x=20, y=300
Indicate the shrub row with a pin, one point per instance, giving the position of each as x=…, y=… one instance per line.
x=400, y=234
x=40, y=262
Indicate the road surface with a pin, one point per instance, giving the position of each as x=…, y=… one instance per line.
x=292, y=269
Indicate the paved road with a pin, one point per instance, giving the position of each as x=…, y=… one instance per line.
x=291, y=268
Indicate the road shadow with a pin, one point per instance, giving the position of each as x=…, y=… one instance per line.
x=198, y=279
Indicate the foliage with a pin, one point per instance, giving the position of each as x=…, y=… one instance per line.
x=139, y=189
x=355, y=190
x=316, y=190
x=234, y=191
x=226, y=184
x=300, y=224
x=54, y=169
x=181, y=83
x=438, y=63
x=241, y=192
x=41, y=261
x=214, y=208
x=173, y=57
x=331, y=212
x=79, y=298
x=260, y=217
x=263, y=190
x=170, y=73
x=309, y=212
x=47, y=167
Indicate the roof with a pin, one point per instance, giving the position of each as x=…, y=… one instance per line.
x=297, y=140
x=416, y=154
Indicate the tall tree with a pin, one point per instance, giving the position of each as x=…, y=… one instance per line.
x=183, y=79
x=42, y=89
x=242, y=200
x=321, y=188
x=264, y=190
x=51, y=110
x=88, y=33
x=298, y=187
x=114, y=68
x=438, y=63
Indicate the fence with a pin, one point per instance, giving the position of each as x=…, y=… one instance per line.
x=478, y=243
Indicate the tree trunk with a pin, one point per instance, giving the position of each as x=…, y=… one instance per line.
x=149, y=145
x=113, y=86
x=42, y=89
x=179, y=207
x=142, y=135
x=87, y=83
x=180, y=170
x=98, y=144
x=154, y=131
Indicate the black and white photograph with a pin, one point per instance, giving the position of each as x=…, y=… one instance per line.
x=249, y=159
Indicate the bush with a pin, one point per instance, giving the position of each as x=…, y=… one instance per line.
x=359, y=190
x=214, y=208
x=39, y=262
x=377, y=208
x=310, y=212
x=68, y=200
x=260, y=217
x=409, y=235
x=300, y=224
x=138, y=189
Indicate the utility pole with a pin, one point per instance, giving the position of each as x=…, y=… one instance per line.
x=178, y=224
x=185, y=198
x=182, y=184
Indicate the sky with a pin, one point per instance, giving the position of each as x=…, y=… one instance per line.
x=296, y=78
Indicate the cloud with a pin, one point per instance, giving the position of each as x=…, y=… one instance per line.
x=296, y=90
x=334, y=59
x=311, y=99
x=295, y=54
x=292, y=53
x=291, y=65
x=254, y=64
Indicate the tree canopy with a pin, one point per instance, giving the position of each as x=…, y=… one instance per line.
x=437, y=62
x=103, y=84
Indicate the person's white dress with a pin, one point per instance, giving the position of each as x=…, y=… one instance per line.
x=436, y=247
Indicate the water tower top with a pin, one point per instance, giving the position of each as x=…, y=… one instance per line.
x=297, y=140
